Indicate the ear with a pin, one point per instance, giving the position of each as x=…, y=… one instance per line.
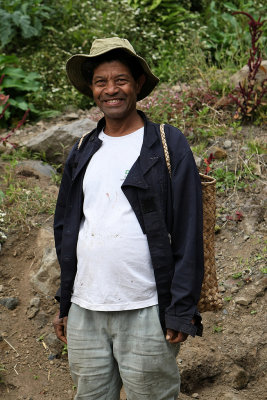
x=139, y=83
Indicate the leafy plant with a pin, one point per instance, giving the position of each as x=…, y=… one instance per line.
x=237, y=275
x=21, y=19
x=217, y=329
x=16, y=86
x=225, y=38
x=65, y=349
x=250, y=94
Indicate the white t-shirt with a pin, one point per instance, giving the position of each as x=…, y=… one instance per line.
x=114, y=270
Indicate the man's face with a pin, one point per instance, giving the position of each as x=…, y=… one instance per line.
x=115, y=90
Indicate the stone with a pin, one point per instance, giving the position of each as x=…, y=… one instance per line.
x=198, y=161
x=10, y=302
x=230, y=283
x=46, y=279
x=35, y=302
x=195, y=396
x=35, y=168
x=71, y=116
x=239, y=377
x=54, y=344
x=57, y=141
x=32, y=311
x=243, y=300
x=227, y=144
x=241, y=75
x=1, y=288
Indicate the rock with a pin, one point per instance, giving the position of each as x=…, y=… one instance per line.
x=230, y=283
x=239, y=377
x=10, y=302
x=46, y=279
x=35, y=302
x=56, y=142
x=228, y=396
x=32, y=311
x=241, y=75
x=243, y=301
x=1, y=288
x=227, y=144
x=177, y=88
x=35, y=168
x=198, y=161
x=195, y=396
x=54, y=344
x=71, y=116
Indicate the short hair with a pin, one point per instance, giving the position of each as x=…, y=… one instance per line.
x=88, y=67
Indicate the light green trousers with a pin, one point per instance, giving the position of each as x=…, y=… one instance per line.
x=106, y=349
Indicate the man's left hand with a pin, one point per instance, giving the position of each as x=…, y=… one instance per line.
x=175, y=337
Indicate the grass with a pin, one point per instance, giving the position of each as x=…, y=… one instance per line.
x=22, y=200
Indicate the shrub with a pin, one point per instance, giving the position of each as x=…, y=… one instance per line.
x=21, y=19
x=16, y=87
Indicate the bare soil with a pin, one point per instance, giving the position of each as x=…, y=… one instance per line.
x=228, y=362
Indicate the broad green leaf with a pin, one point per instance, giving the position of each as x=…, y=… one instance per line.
x=21, y=104
x=14, y=72
x=230, y=6
x=155, y=4
x=4, y=60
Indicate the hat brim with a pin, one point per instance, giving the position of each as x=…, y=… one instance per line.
x=74, y=72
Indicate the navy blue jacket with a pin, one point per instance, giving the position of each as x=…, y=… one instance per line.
x=169, y=212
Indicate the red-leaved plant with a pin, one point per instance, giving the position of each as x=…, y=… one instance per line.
x=4, y=102
x=249, y=93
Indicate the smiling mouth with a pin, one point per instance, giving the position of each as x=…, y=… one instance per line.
x=113, y=101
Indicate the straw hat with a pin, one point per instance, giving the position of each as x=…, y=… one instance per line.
x=100, y=47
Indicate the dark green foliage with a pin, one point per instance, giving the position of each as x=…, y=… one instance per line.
x=21, y=18
x=16, y=84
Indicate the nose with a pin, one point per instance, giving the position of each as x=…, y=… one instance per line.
x=111, y=87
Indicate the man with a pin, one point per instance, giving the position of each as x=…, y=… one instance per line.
x=128, y=238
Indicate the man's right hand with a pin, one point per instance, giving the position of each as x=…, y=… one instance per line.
x=60, y=326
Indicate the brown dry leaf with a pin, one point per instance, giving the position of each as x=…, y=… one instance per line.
x=263, y=69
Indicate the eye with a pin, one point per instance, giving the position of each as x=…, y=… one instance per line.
x=100, y=82
x=121, y=81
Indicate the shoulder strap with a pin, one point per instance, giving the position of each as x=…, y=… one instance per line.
x=165, y=148
x=81, y=140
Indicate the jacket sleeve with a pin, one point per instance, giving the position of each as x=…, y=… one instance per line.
x=61, y=206
x=187, y=247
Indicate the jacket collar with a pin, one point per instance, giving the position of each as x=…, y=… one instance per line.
x=145, y=161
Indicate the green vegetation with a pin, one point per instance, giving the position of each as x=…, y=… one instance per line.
x=193, y=46
x=21, y=200
x=237, y=275
x=217, y=329
x=182, y=41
